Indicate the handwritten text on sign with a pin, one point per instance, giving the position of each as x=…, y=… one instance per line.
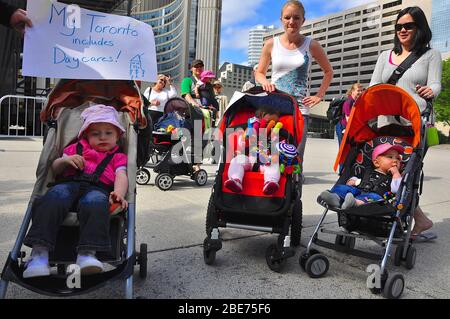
x=70, y=42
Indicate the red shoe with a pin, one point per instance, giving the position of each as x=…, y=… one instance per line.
x=115, y=208
x=270, y=188
x=233, y=185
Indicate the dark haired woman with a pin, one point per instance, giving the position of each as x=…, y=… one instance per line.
x=422, y=80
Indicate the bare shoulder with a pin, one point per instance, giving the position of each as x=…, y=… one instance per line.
x=315, y=47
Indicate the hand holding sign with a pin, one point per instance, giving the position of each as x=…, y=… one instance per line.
x=70, y=42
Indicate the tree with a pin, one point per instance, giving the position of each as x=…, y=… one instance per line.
x=442, y=103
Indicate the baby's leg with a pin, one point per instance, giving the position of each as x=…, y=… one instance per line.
x=93, y=215
x=271, y=178
x=49, y=213
x=238, y=166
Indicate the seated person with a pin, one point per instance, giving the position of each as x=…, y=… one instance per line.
x=265, y=117
x=204, y=91
x=94, y=176
x=385, y=177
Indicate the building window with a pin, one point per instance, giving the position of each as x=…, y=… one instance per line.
x=316, y=78
x=334, y=51
x=392, y=13
x=392, y=4
x=306, y=27
x=351, y=48
x=351, y=65
x=336, y=67
x=352, y=23
x=366, y=72
x=369, y=45
x=366, y=63
x=350, y=73
x=370, y=10
x=307, y=34
x=319, y=31
x=335, y=35
x=370, y=36
x=371, y=18
x=353, y=14
x=369, y=54
x=351, y=40
x=370, y=27
x=320, y=38
x=335, y=19
x=365, y=81
x=319, y=24
x=387, y=42
x=350, y=57
x=351, y=31
x=335, y=27
x=331, y=44
x=335, y=59
x=388, y=32
x=384, y=24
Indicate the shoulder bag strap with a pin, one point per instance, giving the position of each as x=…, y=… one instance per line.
x=405, y=65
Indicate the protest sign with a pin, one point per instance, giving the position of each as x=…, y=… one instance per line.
x=69, y=42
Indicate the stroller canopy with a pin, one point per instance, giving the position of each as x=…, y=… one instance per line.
x=121, y=94
x=381, y=99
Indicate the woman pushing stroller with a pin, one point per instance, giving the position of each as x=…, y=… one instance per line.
x=93, y=179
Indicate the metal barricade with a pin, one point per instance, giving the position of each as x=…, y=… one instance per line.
x=19, y=115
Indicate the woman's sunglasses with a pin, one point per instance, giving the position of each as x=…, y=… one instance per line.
x=407, y=26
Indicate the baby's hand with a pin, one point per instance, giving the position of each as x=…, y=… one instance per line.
x=76, y=161
x=394, y=171
x=351, y=182
x=116, y=198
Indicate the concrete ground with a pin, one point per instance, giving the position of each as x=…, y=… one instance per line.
x=172, y=223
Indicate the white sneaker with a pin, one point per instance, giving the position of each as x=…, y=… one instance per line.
x=89, y=264
x=37, y=265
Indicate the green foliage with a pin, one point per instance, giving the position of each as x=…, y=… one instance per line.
x=442, y=103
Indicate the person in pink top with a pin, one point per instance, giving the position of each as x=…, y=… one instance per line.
x=92, y=179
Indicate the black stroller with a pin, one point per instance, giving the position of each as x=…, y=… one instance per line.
x=251, y=209
x=62, y=115
x=389, y=221
x=174, y=154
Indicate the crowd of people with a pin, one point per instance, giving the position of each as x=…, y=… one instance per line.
x=291, y=55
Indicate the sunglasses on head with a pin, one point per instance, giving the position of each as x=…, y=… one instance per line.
x=407, y=26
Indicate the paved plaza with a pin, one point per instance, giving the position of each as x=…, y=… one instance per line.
x=172, y=223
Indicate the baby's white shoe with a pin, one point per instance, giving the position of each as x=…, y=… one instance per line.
x=89, y=264
x=37, y=265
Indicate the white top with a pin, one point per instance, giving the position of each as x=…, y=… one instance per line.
x=290, y=69
x=162, y=97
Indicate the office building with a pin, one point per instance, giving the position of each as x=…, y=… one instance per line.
x=440, y=24
x=184, y=30
x=256, y=41
x=233, y=76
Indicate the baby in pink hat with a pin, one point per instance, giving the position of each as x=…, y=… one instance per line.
x=92, y=176
x=383, y=178
x=204, y=90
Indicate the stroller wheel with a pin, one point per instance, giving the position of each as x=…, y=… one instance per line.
x=410, y=257
x=317, y=266
x=274, y=259
x=164, y=181
x=200, y=177
x=142, y=176
x=142, y=260
x=394, y=286
x=398, y=255
x=209, y=255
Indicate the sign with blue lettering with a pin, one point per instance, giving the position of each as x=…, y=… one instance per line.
x=69, y=42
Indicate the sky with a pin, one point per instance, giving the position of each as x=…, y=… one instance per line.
x=238, y=16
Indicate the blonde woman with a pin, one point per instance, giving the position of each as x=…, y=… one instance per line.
x=291, y=55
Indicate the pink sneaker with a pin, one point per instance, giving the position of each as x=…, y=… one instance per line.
x=233, y=185
x=270, y=188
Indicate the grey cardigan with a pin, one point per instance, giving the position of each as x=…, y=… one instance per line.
x=426, y=71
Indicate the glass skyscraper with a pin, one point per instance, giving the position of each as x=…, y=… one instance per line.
x=440, y=25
